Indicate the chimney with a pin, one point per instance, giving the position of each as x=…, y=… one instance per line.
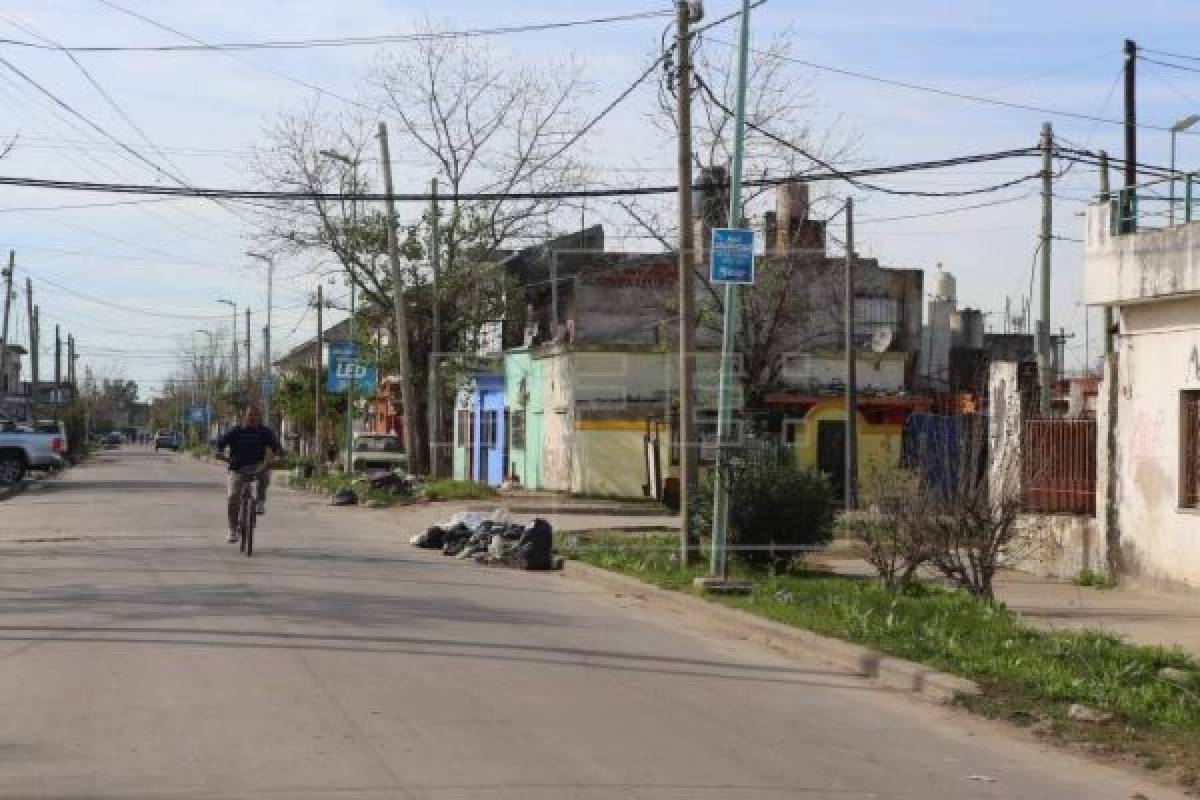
x=710, y=204
x=791, y=208
x=771, y=233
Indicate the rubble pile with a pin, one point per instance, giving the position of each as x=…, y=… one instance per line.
x=493, y=540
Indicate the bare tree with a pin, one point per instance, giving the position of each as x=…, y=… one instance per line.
x=963, y=510
x=488, y=125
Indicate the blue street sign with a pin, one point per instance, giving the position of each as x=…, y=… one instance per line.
x=268, y=387
x=344, y=367
x=198, y=415
x=732, y=256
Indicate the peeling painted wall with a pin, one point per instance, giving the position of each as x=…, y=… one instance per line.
x=1159, y=359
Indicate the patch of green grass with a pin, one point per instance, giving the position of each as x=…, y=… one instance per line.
x=1028, y=676
x=458, y=490
x=1095, y=580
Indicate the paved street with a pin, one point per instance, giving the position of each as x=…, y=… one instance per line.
x=141, y=656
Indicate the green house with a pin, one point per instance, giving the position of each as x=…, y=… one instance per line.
x=523, y=379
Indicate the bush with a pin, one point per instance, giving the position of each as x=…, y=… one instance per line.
x=894, y=547
x=457, y=490
x=776, y=508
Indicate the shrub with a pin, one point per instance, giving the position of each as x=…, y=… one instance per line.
x=893, y=547
x=776, y=508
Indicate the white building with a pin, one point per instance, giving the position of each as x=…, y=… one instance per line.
x=1152, y=280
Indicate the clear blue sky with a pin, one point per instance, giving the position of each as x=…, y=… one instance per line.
x=206, y=111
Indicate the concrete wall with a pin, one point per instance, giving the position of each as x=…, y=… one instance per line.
x=1059, y=545
x=882, y=372
x=1138, y=267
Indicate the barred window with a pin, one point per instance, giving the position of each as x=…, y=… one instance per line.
x=517, y=422
x=1189, y=449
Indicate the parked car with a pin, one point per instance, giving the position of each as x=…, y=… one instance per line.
x=114, y=440
x=378, y=451
x=21, y=451
x=169, y=440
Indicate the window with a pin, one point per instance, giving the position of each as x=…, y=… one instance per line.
x=517, y=422
x=1189, y=449
x=462, y=430
x=487, y=429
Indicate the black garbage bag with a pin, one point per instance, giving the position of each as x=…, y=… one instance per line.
x=535, y=549
x=344, y=497
x=389, y=481
x=432, y=539
x=455, y=539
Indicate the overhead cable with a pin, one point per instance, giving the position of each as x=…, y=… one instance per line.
x=346, y=41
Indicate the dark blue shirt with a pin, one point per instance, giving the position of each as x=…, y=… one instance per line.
x=248, y=446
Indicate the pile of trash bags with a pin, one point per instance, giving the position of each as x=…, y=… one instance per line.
x=493, y=540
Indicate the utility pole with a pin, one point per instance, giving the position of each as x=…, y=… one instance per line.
x=433, y=402
x=1128, y=203
x=319, y=377
x=249, y=363
x=57, y=370
x=31, y=312
x=233, y=345
x=687, y=298
x=728, y=333
x=71, y=360
x=1105, y=197
x=1046, y=248
x=8, y=279
x=851, y=368
x=408, y=396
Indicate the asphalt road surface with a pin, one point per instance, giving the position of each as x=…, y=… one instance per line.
x=142, y=656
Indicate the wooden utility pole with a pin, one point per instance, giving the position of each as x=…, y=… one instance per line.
x=57, y=357
x=687, y=299
x=319, y=376
x=32, y=313
x=8, y=279
x=1128, y=203
x=435, y=389
x=851, y=481
x=407, y=393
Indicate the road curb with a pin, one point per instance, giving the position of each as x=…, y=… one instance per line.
x=570, y=509
x=894, y=673
x=13, y=491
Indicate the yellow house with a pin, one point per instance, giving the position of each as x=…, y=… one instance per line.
x=815, y=428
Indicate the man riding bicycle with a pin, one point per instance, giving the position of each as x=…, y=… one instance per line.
x=248, y=444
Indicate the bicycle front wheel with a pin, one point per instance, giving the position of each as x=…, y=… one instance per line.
x=251, y=521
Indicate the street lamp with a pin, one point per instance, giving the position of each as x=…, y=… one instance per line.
x=207, y=384
x=234, y=343
x=1180, y=126
x=267, y=385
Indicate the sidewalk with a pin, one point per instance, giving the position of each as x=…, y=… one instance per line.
x=1137, y=615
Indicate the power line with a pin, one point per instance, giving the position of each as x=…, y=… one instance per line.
x=917, y=87
x=712, y=96
x=346, y=41
x=1180, y=67
x=421, y=197
x=945, y=211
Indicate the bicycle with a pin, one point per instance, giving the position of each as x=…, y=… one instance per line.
x=248, y=509
x=247, y=506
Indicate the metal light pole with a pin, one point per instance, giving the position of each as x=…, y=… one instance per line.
x=233, y=382
x=266, y=395
x=1179, y=127
x=206, y=375
x=720, y=487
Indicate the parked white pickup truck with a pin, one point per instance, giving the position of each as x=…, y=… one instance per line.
x=21, y=451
